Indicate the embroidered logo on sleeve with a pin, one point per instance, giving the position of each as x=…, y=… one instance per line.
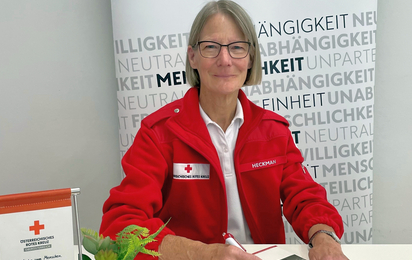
x=191, y=171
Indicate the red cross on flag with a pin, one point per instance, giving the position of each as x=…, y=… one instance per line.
x=36, y=225
x=191, y=171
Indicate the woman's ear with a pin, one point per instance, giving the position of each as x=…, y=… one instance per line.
x=191, y=57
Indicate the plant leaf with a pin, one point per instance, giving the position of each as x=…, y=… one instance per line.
x=85, y=257
x=133, y=230
x=104, y=243
x=106, y=255
x=159, y=230
x=90, y=232
x=150, y=252
x=90, y=245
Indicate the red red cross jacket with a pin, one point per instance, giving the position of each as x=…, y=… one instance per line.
x=173, y=172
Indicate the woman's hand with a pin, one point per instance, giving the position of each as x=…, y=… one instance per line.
x=326, y=248
x=327, y=251
x=225, y=252
x=180, y=248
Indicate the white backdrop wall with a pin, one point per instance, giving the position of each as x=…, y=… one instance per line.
x=393, y=123
x=59, y=124
x=318, y=64
x=58, y=117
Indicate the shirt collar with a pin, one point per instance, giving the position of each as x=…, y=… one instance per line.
x=238, y=115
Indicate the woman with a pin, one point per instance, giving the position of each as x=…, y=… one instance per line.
x=214, y=162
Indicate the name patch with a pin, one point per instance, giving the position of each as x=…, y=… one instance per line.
x=191, y=171
x=263, y=164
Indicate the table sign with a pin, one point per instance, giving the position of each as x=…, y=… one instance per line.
x=37, y=225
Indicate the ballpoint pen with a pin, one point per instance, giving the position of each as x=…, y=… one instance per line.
x=229, y=239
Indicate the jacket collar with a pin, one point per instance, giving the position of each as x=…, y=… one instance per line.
x=190, y=119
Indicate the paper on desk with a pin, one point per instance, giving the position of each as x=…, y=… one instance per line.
x=276, y=253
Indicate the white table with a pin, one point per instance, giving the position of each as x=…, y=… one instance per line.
x=353, y=252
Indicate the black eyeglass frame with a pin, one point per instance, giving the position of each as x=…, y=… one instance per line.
x=224, y=45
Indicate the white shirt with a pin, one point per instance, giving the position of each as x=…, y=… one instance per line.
x=224, y=143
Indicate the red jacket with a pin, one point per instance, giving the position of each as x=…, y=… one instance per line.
x=268, y=168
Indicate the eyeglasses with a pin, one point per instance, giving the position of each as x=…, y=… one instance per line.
x=237, y=50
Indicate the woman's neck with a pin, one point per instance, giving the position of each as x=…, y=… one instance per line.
x=220, y=109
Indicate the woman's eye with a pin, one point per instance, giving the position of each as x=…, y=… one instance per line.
x=211, y=46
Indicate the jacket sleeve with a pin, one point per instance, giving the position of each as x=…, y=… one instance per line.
x=304, y=201
x=139, y=196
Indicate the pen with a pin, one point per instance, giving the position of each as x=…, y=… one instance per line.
x=229, y=239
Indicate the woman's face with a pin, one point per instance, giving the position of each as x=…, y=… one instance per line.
x=222, y=75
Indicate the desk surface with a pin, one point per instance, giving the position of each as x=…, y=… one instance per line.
x=353, y=252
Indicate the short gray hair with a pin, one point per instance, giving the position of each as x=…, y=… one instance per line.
x=243, y=20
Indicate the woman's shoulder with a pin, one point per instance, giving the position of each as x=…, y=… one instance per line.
x=254, y=109
x=270, y=115
x=163, y=113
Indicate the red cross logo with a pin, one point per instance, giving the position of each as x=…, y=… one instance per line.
x=188, y=168
x=36, y=227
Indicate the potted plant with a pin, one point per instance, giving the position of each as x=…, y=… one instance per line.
x=129, y=242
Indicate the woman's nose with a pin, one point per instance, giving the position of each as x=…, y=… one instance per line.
x=224, y=58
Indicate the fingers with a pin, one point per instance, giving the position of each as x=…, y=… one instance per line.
x=229, y=252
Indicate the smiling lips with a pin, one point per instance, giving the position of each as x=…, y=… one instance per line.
x=224, y=75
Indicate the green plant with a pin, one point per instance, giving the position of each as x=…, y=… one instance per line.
x=129, y=242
